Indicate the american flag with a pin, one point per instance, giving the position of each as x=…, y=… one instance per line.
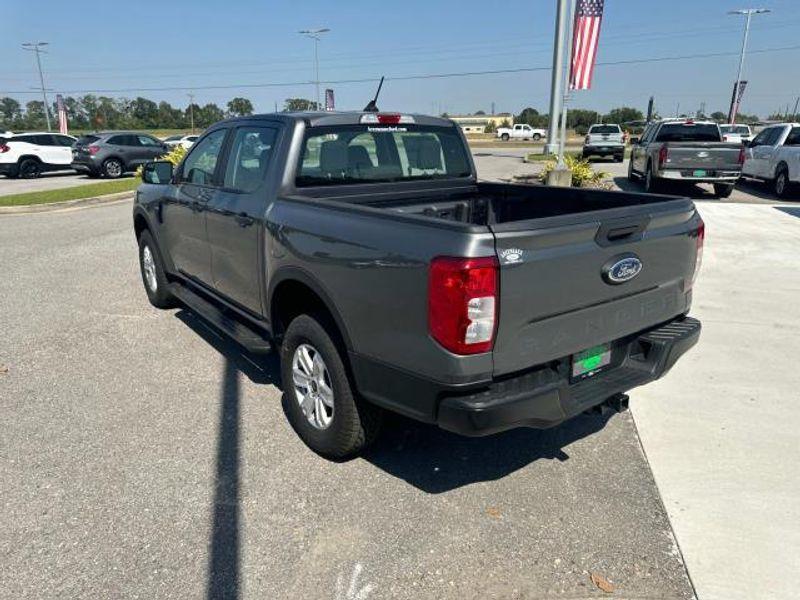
x=588, y=16
x=62, y=114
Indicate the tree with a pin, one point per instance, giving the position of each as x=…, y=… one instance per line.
x=10, y=113
x=719, y=116
x=479, y=112
x=34, y=115
x=144, y=113
x=532, y=117
x=208, y=115
x=298, y=105
x=623, y=114
x=240, y=107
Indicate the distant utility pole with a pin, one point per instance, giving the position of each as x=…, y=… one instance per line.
x=38, y=48
x=796, y=103
x=748, y=13
x=556, y=78
x=315, y=35
x=191, y=109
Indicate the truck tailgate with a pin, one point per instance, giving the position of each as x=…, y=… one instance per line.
x=709, y=156
x=556, y=297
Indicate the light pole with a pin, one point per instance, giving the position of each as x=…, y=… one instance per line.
x=315, y=34
x=191, y=110
x=37, y=48
x=748, y=13
x=556, y=78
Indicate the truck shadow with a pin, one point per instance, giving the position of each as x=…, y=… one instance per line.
x=793, y=211
x=437, y=461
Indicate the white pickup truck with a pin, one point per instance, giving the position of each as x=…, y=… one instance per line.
x=520, y=132
x=774, y=156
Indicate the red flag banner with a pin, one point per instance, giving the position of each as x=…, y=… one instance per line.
x=62, y=114
x=586, y=34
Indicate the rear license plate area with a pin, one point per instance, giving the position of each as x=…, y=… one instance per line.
x=589, y=362
x=699, y=173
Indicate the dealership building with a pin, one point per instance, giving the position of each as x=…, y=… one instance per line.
x=478, y=123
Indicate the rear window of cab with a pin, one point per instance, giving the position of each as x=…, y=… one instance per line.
x=352, y=154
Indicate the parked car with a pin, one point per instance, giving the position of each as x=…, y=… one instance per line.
x=364, y=249
x=605, y=139
x=185, y=140
x=674, y=151
x=736, y=133
x=520, y=132
x=774, y=156
x=114, y=153
x=28, y=155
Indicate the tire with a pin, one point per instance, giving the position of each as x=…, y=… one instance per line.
x=723, y=190
x=781, y=183
x=536, y=137
x=632, y=176
x=29, y=168
x=113, y=168
x=504, y=137
x=340, y=427
x=619, y=158
x=154, y=277
x=650, y=184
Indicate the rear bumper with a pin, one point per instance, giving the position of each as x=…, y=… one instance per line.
x=603, y=150
x=686, y=175
x=84, y=167
x=8, y=168
x=541, y=397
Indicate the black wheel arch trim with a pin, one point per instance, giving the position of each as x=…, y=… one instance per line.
x=288, y=273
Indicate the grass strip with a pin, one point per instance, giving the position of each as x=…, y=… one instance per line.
x=77, y=192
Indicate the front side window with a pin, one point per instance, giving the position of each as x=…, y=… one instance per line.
x=351, y=154
x=249, y=157
x=793, y=138
x=199, y=166
x=146, y=140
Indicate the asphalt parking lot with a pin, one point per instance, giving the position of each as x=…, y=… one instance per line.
x=145, y=456
x=48, y=181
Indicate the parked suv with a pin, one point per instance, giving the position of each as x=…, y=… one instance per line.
x=605, y=140
x=28, y=155
x=113, y=153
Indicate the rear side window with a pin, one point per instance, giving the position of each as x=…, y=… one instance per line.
x=199, y=166
x=794, y=137
x=118, y=140
x=351, y=154
x=249, y=157
x=146, y=140
x=28, y=139
x=62, y=140
x=87, y=139
x=605, y=129
x=683, y=132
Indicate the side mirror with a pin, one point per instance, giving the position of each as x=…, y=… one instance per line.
x=634, y=140
x=157, y=172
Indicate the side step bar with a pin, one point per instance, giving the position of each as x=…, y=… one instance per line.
x=221, y=319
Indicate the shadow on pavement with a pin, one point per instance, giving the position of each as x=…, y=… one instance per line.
x=794, y=211
x=436, y=461
x=759, y=189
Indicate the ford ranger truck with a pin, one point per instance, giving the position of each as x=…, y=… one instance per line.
x=365, y=251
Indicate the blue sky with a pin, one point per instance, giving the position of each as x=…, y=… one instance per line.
x=112, y=45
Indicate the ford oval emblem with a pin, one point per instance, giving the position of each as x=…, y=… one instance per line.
x=622, y=268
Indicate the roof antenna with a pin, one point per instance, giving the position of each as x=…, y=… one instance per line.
x=372, y=106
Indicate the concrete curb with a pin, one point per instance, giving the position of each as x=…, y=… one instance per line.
x=67, y=204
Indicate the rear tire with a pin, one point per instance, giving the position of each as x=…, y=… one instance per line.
x=30, y=168
x=723, y=190
x=781, y=184
x=632, y=176
x=113, y=168
x=504, y=137
x=650, y=183
x=154, y=277
x=348, y=424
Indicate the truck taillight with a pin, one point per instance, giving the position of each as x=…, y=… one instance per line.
x=93, y=150
x=698, y=261
x=740, y=160
x=4, y=148
x=663, y=155
x=586, y=139
x=462, y=303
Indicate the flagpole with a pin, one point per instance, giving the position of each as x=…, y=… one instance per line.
x=568, y=70
x=556, y=78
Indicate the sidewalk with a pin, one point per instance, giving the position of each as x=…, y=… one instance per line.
x=722, y=431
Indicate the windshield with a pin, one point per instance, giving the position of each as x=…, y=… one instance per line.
x=350, y=154
x=173, y=138
x=604, y=129
x=686, y=132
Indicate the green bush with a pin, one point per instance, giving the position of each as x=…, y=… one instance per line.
x=583, y=175
x=175, y=156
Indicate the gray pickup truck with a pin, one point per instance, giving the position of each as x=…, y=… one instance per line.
x=673, y=151
x=363, y=246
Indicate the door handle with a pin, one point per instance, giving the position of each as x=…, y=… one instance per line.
x=244, y=220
